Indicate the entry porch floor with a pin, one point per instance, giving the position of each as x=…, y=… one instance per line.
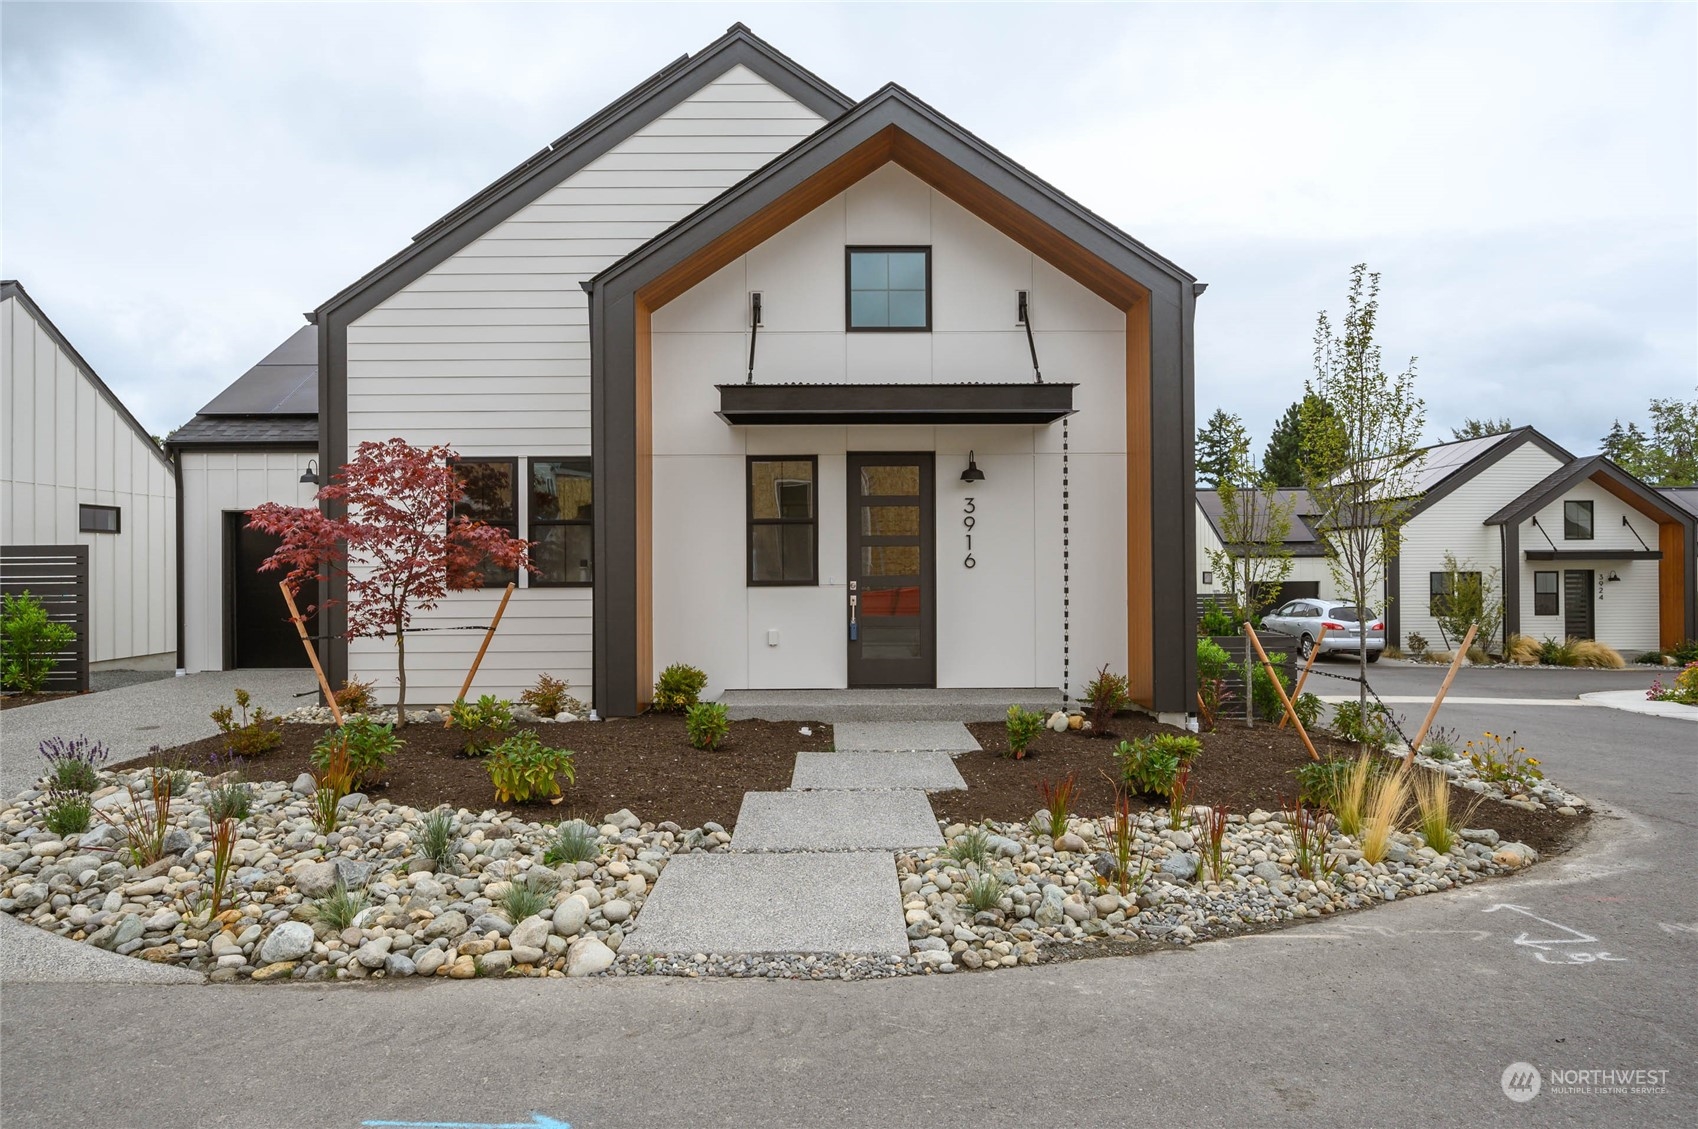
x=838, y=706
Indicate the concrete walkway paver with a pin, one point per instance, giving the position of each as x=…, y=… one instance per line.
x=927, y=770
x=835, y=821
x=768, y=903
x=887, y=736
x=1634, y=701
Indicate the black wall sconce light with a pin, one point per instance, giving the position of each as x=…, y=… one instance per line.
x=310, y=475
x=972, y=473
x=1613, y=578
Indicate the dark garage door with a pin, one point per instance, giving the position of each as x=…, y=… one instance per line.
x=257, y=628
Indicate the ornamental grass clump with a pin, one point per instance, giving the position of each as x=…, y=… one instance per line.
x=984, y=893
x=1596, y=655
x=340, y=907
x=1058, y=801
x=1176, y=805
x=74, y=765
x=223, y=854
x=335, y=780
x=574, y=841
x=707, y=724
x=1121, y=830
x=1386, y=804
x=144, y=825
x=435, y=838
x=1212, y=824
x=972, y=846
x=1434, y=819
x=1350, y=804
x=1310, y=830
x=523, y=769
x=524, y=897
x=1024, y=725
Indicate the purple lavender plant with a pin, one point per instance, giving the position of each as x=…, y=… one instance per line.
x=74, y=765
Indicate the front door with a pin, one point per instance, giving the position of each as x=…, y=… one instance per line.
x=258, y=632
x=893, y=600
x=1577, y=602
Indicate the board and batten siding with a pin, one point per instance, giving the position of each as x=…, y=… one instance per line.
x=216, y=483
x=1625, y=610
x=1457, y=523
x=489, y=352
x=999, y=623
x=67, y=445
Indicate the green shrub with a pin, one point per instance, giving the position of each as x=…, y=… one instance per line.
x=678, y=688
x=1417, y=644
x=574, y=841
x=1651, y=658
x=1262, y=692
x=1321, y=783
x=1024, y=725
x=28, y=642
x=1498, y=760
x=522, y=768
x=1556, y=653
x=1217, y=620
x=68, y=811
x=1105, y=695
x=549, y=696
x=1372, y=729
x=1150, y=765
x=233, y=799
x=355, y=696
x=1212, y=660
x=73, y=765
x=1308, y=708
x=435, y=840
x=483, y=722
x=1685, y=652
x=707, y=724
x=370, y=745
x=251, y=736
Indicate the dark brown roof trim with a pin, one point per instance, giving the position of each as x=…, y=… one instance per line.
x=1558, y=484
x=12, y=288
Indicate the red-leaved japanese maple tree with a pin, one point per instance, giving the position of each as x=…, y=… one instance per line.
x=398, y=544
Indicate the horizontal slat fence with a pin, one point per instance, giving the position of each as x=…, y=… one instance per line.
x=57, y=575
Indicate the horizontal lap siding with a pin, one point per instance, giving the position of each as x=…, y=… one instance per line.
x=65, y=445
x=489, y=352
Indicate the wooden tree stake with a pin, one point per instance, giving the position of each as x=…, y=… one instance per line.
x=1314, y=653
x=466, y=686
x=1273, y=676
x=312, y=655
x=1444, y=688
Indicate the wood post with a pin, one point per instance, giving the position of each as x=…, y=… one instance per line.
x=1314, y=653
x=466, y=686
x=312, y=655
x=1444, y=688
x=1290, y=710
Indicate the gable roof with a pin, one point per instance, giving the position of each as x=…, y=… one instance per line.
x=894, y=109
x=1597, y=467
x=1301, y=540
x=571, y=151
x=12, y=288
x=296, y=432
x=283, y=383
x=1684, y=496
x=1451, y=465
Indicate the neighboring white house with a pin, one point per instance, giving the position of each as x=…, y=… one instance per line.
x=256, y=441
x=725, y=352
x=1311, y=574
x=1583, y=549
x=80, y=470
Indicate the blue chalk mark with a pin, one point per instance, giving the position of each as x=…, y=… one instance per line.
x=537, y=1121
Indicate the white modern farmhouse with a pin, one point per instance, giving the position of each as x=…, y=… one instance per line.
x=808, y=392
x=1311, y=571
x=256, y=441
x=87, y=509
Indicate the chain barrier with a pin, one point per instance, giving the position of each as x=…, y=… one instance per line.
x=1391, y=718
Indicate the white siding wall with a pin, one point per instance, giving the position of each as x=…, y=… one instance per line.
x=1624, y=611
x=66, y=446
x=998, y=624
x=1456, y=523
x=216, y=483
x=489, y=352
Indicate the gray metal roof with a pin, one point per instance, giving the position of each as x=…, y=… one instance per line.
x=1301, y=540
x=247, y=431
x=1684, y=496
x=283, y=383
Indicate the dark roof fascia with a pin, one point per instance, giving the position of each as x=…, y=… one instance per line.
x=985, y=404
x=1594, y=554
x=1556, y=485
x=890, y=106
x=1485, y=460
x=11, y=288
x=243, y=445
x=602, y=131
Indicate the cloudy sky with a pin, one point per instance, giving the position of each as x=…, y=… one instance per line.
x=181, y=182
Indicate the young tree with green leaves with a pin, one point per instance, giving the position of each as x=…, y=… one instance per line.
x=1219, y=443
x=1480, y=428
x=1470, y=595
x=1282, y=461
x=1360, y=460
x=1255, y=520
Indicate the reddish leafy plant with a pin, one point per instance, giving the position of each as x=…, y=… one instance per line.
x=392, y=535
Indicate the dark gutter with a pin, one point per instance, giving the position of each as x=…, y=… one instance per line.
x=182, y=617
x=742, y=404
x=1594, y=554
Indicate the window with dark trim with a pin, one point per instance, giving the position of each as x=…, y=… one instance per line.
x=783, y=521
x=1439, y=590
x=491, y=496
x=888, y=288
x=561, y=527
x=1545, y=594
x=99, y=519
x=1577, y=521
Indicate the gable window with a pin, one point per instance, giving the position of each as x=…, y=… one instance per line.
x=561, y=526
x=1545, y=593
x=99, y=519
x=491, y=496
x=1440, y=592
x=889, y=288
x=783, y=521
x=1577, y=521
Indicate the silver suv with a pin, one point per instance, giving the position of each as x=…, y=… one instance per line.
x=1303, y=620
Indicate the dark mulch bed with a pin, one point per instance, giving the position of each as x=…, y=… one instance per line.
x=1242, y=768
x=14, y=701
x=643, y=763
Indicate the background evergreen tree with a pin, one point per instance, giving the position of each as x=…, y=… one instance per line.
x=1480, y=428
x=1282, y=461
x=1220, y=443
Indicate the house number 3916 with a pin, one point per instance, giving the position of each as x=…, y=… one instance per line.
x=969, y=521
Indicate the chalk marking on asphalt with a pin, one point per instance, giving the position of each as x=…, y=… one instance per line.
x=1421, y=700
x=1542, y=944
x=537, y=1121
x=1677, y=927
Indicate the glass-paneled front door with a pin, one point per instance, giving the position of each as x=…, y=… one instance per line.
x=892, y=570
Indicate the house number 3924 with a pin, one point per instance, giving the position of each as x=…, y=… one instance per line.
x=969, y=521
